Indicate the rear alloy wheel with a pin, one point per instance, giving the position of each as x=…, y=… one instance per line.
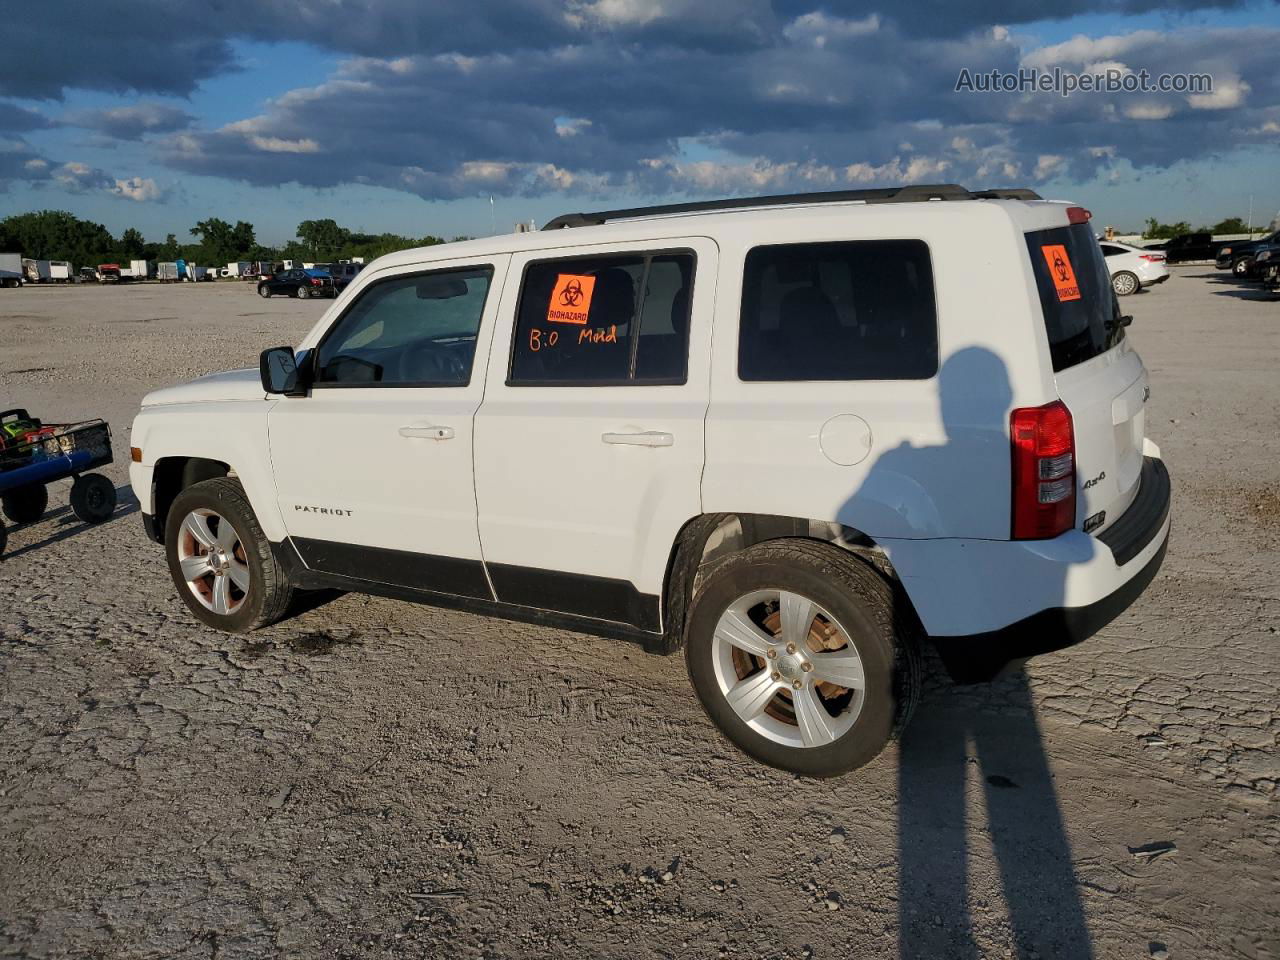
x=264, y=291
x=26, y=504
x=304, y=293
x=220, y=560
x=1125, y=283
x=1241, y=267
x=800, y=655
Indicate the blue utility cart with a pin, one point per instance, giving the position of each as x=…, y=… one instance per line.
x=49, y=452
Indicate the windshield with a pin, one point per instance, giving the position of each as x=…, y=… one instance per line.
x=1081, y=314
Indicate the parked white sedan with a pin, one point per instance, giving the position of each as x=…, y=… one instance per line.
x=1133, y=268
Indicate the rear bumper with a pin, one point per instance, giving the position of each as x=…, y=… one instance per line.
x=981, y=657
x=986, y=603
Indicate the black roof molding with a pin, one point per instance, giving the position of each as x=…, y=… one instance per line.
x=909, y=194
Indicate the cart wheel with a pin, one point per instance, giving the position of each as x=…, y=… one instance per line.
x=26, y=504
x=93, y=498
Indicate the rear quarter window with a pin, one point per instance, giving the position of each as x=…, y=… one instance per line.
x=851, y=310
x=1081, y=314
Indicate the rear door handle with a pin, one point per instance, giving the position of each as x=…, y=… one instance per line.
x=427, y=433
x=650, y=438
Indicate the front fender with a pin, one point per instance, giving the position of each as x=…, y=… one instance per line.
x=233, y=432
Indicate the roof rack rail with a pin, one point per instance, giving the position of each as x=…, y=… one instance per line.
x=909, y=194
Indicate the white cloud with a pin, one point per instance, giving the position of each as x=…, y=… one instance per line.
x=1047, y=164
x=1148, y=110
x=817, y=28
x=1228, y=91
x=278, y=145
x=571, y=126
x=138, y=189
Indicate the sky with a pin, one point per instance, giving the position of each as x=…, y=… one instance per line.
x=462, y=117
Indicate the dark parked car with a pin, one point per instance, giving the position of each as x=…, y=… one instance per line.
x=1191, y=246
x=298, y=283
x=342, y=273
x=1265, y=260
x=1238, y=254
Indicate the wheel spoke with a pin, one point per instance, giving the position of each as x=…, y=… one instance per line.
x=222, y=594
x=194, y=568
x=749, y=697
x=842, y=667
x=239, y=573
x=814, y=721
x=227, y=536
x=736, y=630
x=797, y=614
x=198, y=527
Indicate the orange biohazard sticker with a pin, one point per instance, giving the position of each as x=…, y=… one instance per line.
x=571, y=299
x=1064, y=278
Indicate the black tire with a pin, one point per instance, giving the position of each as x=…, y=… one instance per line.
x=26, y=504
x=93, y=498
x=1240, y=268
x=304, y=293
x=884, y=633
x=4, y=539
x=269, y=595
x=1125, y=283
x=264, y=291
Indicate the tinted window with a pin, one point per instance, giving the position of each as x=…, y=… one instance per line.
x=418, y=329
x=616, y=320
x=860, y=310
x=1110, y=251
x=1081, y=314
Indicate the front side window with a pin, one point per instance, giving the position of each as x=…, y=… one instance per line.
x=415, y=330
x=618, y=319
x=852, y=310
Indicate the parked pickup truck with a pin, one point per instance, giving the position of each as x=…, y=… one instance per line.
x=789, y=438
x=1191, y=246
x=1237, y=256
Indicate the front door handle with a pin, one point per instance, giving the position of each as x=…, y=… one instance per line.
x=650, y=438
x=427, y=433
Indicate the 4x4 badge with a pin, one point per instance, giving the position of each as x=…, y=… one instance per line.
x=1094, y=481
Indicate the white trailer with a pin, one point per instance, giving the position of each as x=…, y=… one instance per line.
x=60, y=271
x=167, y=272
x=10, y=270
x=136, y=270
x=237, y=268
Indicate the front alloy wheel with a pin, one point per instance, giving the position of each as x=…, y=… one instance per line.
x=213, y=561
x=221, y=561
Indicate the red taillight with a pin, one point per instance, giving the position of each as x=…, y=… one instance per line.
x=1078, y=215
x=1044, y=471
x=315, y=282
x=1152, y=257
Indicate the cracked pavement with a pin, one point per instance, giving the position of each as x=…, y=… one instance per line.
x=373, y=778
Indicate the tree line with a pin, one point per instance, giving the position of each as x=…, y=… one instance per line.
x=1155, y=230
x=59, y=235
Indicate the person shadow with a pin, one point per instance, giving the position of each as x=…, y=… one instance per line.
x=966, y=741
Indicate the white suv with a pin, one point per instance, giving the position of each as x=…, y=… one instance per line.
x=792, y=437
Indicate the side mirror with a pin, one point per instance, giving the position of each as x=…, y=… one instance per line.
x=279, y=370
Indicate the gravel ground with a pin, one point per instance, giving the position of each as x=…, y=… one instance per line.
x=374, y=778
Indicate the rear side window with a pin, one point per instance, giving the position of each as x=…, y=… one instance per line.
x=620, y=319
x=857, y=310
x=1081, y=314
